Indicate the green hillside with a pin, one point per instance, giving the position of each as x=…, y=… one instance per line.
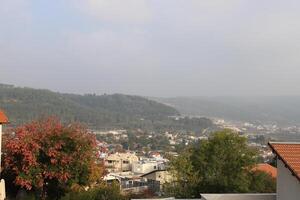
x=105, y=111
x=99, y=112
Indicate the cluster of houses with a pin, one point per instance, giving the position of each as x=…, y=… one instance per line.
x=186, y=139
x=135, y=174
x=117, y=134
x=287, y=174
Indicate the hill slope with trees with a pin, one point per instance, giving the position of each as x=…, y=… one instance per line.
x=26, y=104
x=97, y=111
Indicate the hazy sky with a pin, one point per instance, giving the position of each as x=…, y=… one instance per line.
x=152, y=47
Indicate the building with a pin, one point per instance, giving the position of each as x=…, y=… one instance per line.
x=120, y=162
x=156, y=156
x=3, y=120
x=147, y=165
x=102, y=149
x=288, y=176
x=143, y=167
x=269, y=169
x=238, y=197
x=161, y=175
x=156, y=179
x=231, y=197
x=129, y=182
x=288, y=169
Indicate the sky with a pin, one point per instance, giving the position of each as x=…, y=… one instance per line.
x=152, y=47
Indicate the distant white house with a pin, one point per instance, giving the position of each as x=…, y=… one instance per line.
x=120, y=162
x=157, y=178
x=146, y=166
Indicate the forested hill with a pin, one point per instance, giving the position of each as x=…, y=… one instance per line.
x=105, y=111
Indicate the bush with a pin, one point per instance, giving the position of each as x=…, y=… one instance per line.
x=102, y=192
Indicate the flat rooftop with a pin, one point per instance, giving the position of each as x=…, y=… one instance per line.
x=238, y=196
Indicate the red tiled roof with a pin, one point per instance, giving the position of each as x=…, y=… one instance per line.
x=289, y=153
x=269, y=169
x=3, y=118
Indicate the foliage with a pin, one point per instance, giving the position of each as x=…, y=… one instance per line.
x=105, y=111
x=262, y=182
x=146, y=194
x=105, y=192
x=183, y=171
x=101, y=192
x=47, y=157
x=220, y=165
x=97, y=111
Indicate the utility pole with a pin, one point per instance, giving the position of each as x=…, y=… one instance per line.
x=3, y=120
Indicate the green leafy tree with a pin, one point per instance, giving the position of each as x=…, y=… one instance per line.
x=183, y=171
x=101, y=192
x=262, y=182
x=221, y=164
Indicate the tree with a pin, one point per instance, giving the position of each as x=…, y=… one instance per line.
x=262, y=182
x=185, y=181
x=48, y=157
x=221, y=164
x=101, y=192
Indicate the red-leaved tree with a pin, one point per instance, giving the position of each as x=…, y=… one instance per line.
x=48, y=157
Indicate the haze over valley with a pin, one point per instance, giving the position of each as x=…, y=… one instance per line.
x=277, y=116
x=281, y=110
x=149, y=99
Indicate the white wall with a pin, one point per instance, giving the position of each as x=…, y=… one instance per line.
x=288, y=186
x=143, y=168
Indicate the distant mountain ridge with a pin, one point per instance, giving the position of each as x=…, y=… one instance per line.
x=284, y=110
x=104, y=111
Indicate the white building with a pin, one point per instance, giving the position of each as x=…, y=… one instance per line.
x=3, y=120
x=157, y=178
x=288, y=169
x=120, y=162
x=129, y=182
x=146, y=166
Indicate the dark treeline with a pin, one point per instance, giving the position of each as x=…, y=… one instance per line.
x=97, y=111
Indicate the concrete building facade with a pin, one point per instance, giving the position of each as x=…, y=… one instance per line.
x=288, y=169
x=120, y=162
x=288, y=187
